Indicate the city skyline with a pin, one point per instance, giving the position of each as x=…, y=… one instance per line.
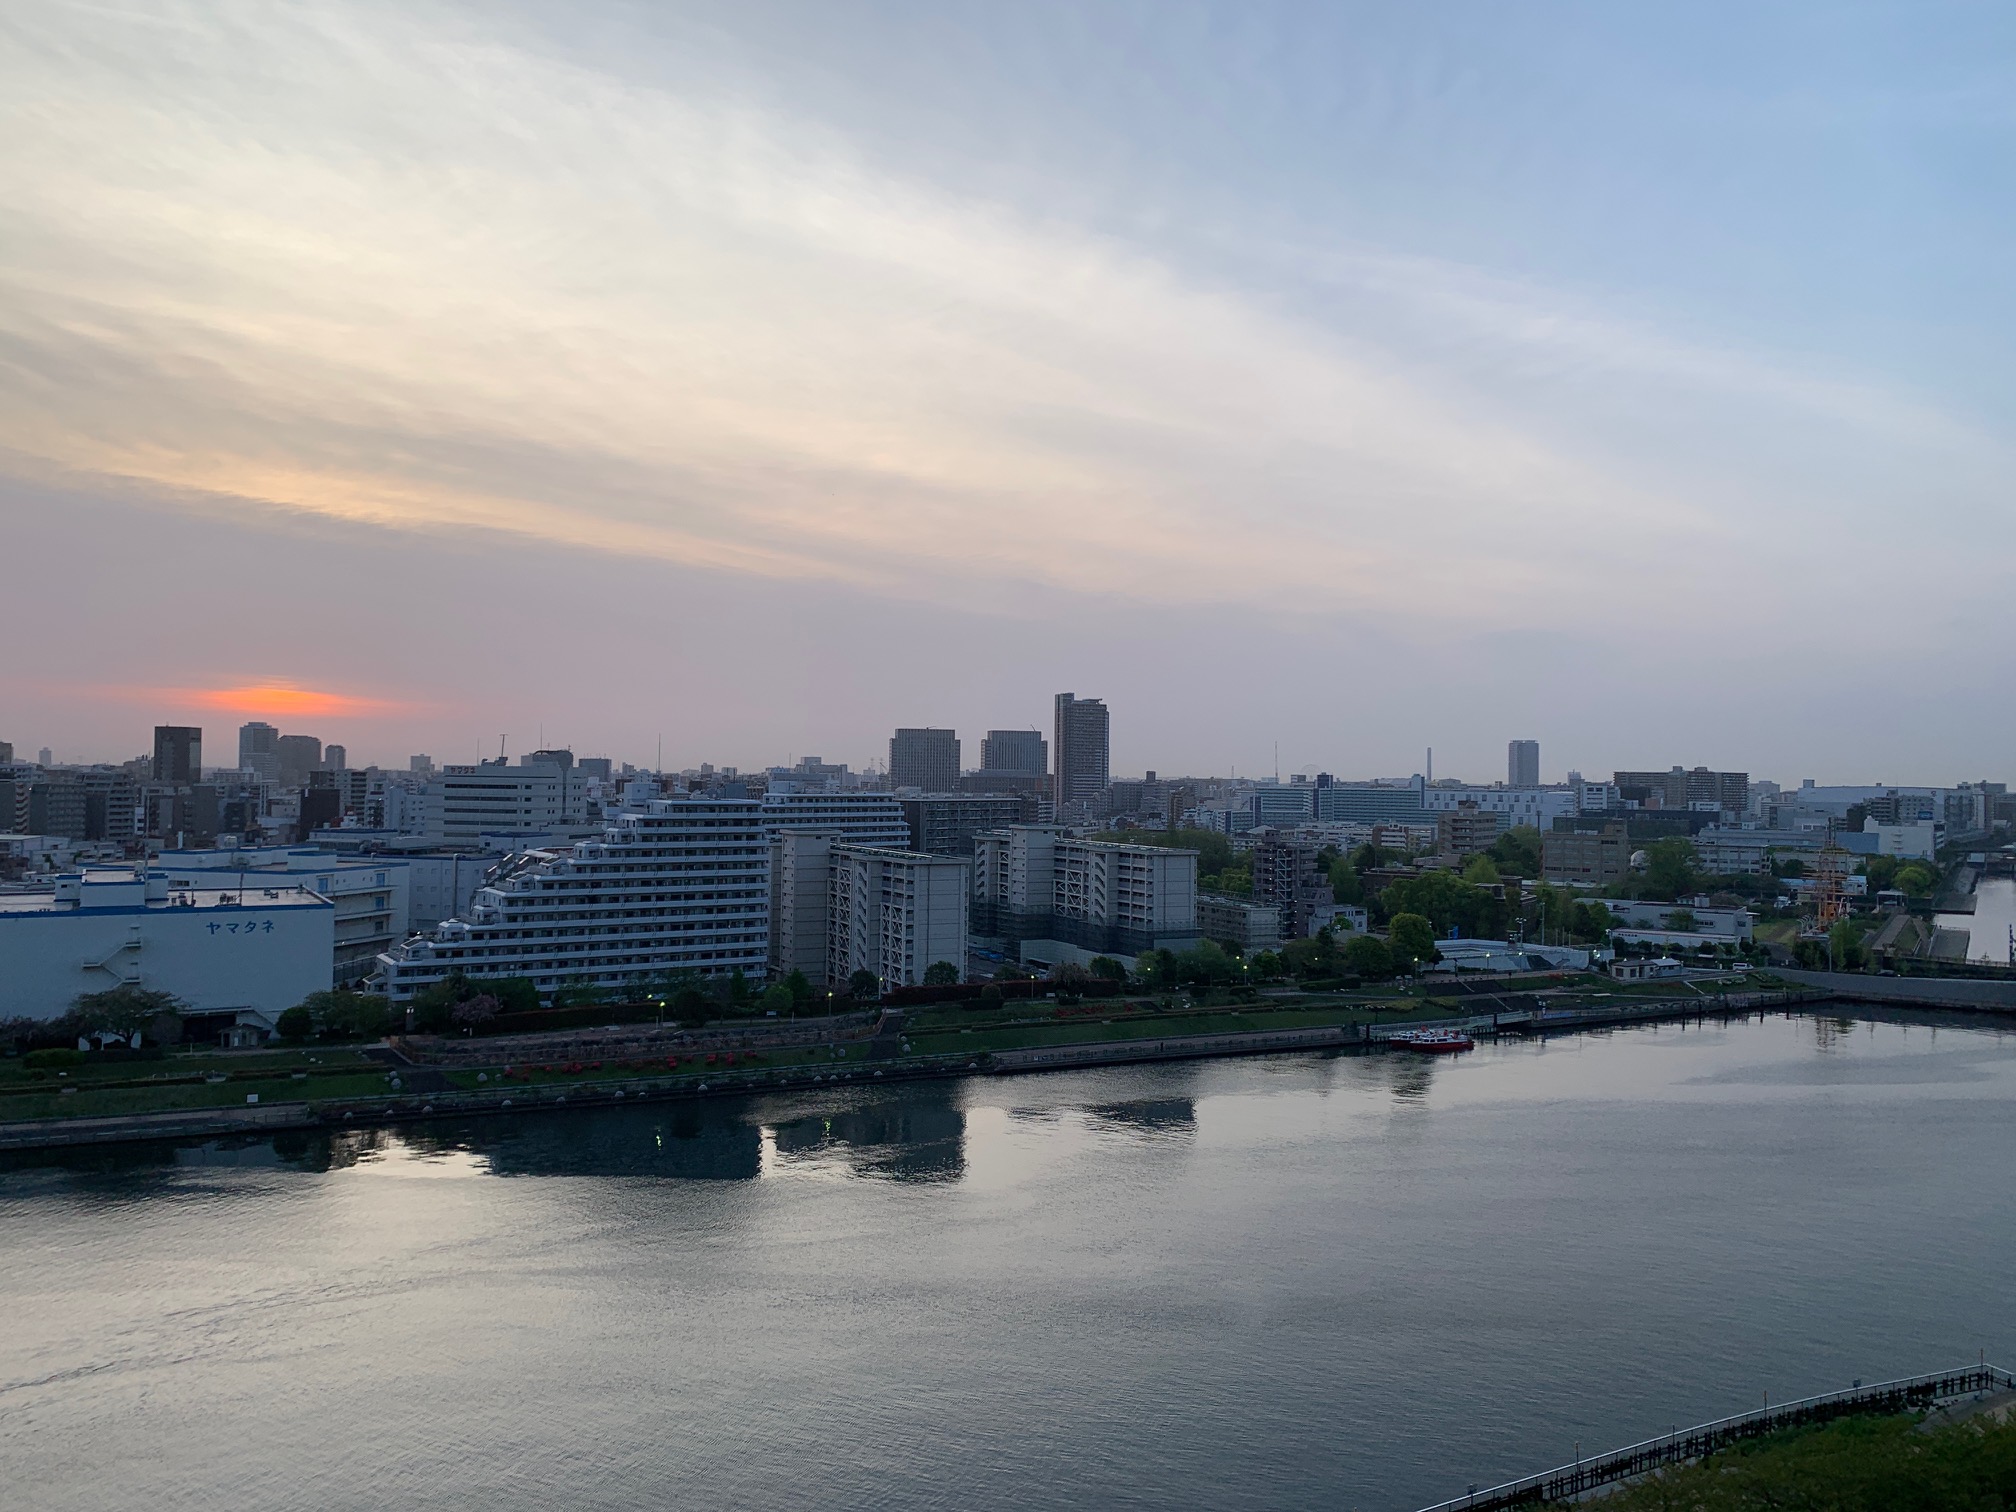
x=1587, y=362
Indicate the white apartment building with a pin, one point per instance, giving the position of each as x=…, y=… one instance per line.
x=1038, y=882
x=896, y=913
x=371, y=895
x=463, y=802
x=680, y=885
x=838, y=908
x=248, y=952
x=858, y=818
x=801, y=905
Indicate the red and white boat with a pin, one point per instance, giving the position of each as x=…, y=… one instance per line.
x=1435, y=1041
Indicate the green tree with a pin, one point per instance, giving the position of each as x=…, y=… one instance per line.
x=1208, y=965
x=777, y=999
x=126, y=1009
x=941, y=974
x=1481, y=872
x=341, y=1015
x=1313, y=959
x=1451, y=905
x=1517, y=852
x=1266, y=965
x=1411, y=938
x=1344, y=884
x=1366, y=956
x=1845, y=941
x=1106, y=969
x=864, y=986
x=800, y=986
x=474, y=1014
x=1670, y=868
x=295, y=1023
x=1683, y=919
x=1917, y=880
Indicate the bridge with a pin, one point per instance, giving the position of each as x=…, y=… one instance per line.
x=1568, y=1482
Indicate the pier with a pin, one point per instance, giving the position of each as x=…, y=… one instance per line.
x=1567, y=1482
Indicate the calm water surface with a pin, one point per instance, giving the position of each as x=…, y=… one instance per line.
x=1348, y=1281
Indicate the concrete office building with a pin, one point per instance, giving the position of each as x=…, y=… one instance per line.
x=1022, y=752
x=927, y=759
x=1038, y=885
x=298, y=755
x=1242, y=923
x=178, y=754
x=1467, y=829
x=1593, y=860
x=463, y=802
x=682, y=884
x=244, y=956
x=1522, y=763
x=259, y=750
x=1083, y=742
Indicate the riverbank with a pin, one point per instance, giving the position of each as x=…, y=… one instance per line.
x=262, y=1092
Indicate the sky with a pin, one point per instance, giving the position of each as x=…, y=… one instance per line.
x=1337, y=380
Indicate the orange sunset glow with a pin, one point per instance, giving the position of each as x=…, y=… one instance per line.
x=283, y=698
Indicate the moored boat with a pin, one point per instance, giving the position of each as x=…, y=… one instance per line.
x=1435, y=1041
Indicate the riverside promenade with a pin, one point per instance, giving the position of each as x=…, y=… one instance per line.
x=1568, y=1483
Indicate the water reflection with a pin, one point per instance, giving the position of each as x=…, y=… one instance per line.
x=919, y=1135
x=683, y=1141
x=1152, y=1116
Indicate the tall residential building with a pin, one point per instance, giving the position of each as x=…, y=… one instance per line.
x=1288, y=873
x=1083, y=746
x=896, y=913
x=424, y=765
x=1522, y=763
x=1037, y=882
x=298, y=755
x=1023, y=752
x=944, y=824
x=259, y=750
x=679, y=885
x=926, y=758
x=178, y=754
x=336, y=758
x=6, y=752
x=1681, y=788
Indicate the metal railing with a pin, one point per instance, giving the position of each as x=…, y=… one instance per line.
x=1567, y=1481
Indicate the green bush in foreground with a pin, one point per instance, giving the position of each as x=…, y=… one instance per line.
x=1856, y=1465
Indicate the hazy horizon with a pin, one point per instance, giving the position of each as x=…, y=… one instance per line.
x=766, y=377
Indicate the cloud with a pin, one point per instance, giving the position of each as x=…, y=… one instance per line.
x=384, y=265
x=365, y=264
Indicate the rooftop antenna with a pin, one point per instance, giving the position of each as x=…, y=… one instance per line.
x=1277, y=761
x=500, y=747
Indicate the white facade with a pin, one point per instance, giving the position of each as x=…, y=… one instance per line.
x=896, y=913
x=216, y=949
x=372, y=895
x=859, y=818
x=463, y=802
x=1036, y=881
x=1726, y=924
x=683, y=885
x=1535, y=807
x=801, y=883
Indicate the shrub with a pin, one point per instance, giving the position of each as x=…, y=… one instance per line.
x=53, y=1060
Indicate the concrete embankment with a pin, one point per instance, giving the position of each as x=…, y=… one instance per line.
x=199, y=1123
x=1910, y=992
x=1174, y=1047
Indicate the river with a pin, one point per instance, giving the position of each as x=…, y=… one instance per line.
x=1353, y=1281
x=1992, y=925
